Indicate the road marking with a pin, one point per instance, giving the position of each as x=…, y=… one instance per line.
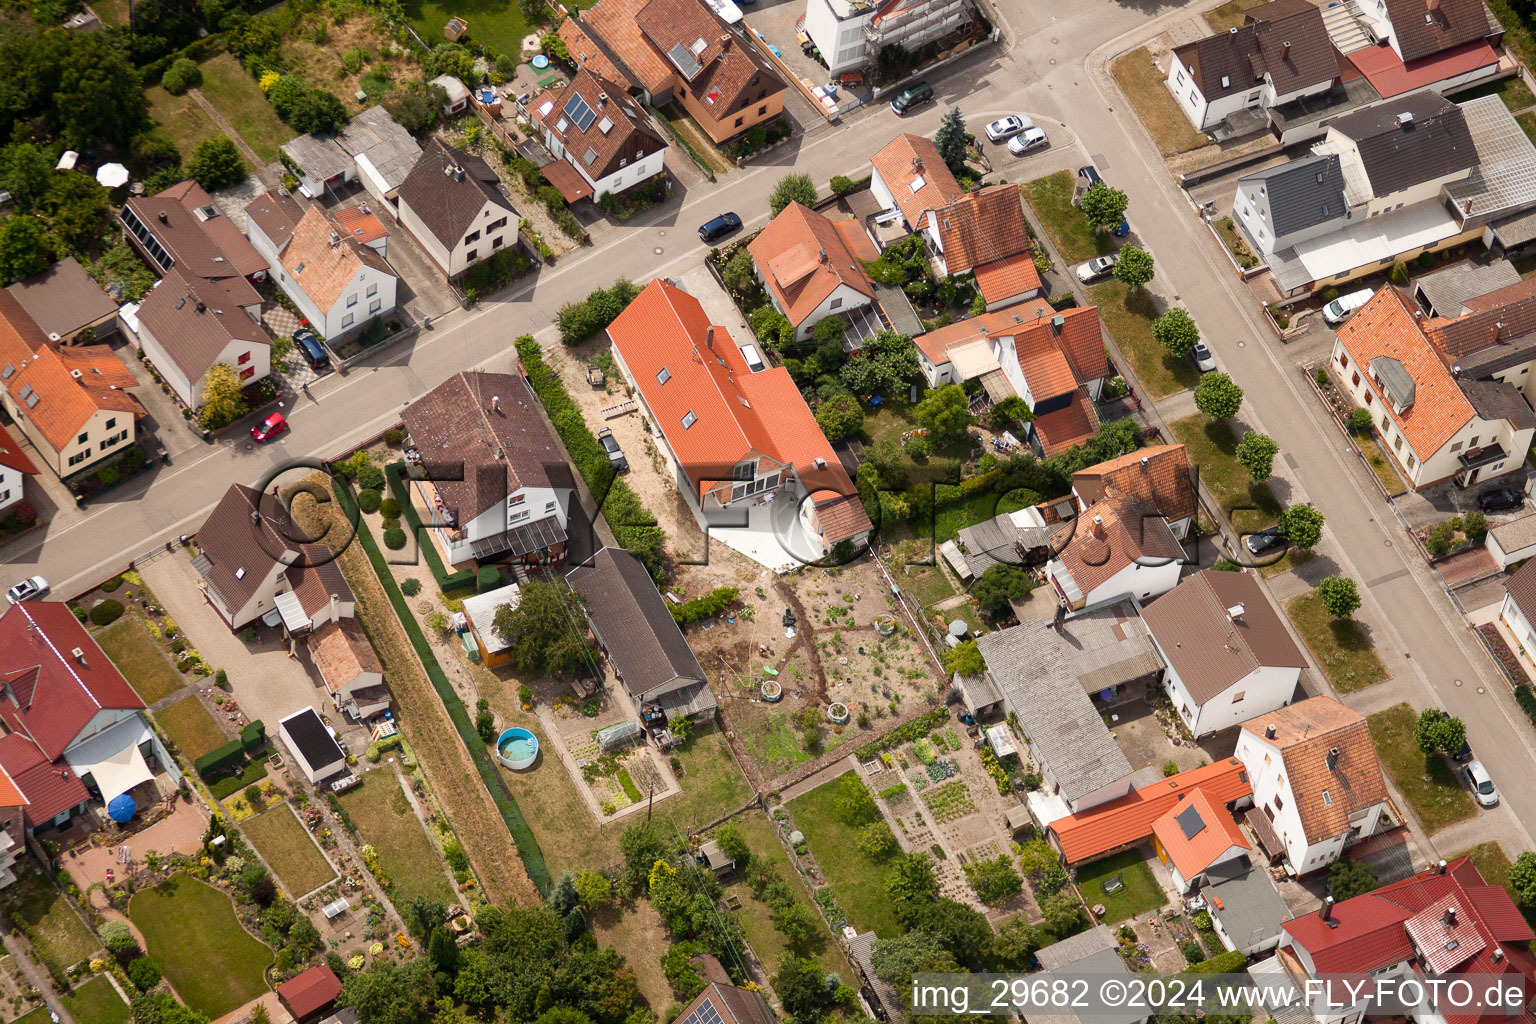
x=1387, y=577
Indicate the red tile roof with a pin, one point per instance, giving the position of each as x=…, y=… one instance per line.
x=1158, y=474
x=911, y=160
x=588, y=51
x=1390, y=77
x=1325, y=795
x=310, y=992
x=804, y=257
x=730, y=75
x=53, y=694
x=1006, y=278
x=10, y=793
x=11, y=454
x=982, y=227
x=736, y=412
x=1215, y=830
x=615, y=23
x=1113, y=533
x=1063, y=429
x=1129, y=819
x=841, y=515
x=49, y=789
x=364, y=227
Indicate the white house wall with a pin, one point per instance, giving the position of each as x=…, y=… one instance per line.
x=842, y=299
x=1142, y=582
x=1518, y=624
x=11, y=484
x=1265, y=689
x=841, y=42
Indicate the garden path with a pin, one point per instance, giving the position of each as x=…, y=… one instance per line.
x=255, y=162
x=21, y=955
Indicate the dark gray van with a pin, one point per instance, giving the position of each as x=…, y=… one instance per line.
x=913, y=96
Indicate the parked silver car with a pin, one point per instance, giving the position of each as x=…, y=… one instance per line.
x=1099, y=266
x=1481, y=784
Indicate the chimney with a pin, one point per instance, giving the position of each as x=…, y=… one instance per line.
x=1466, y=207
x=79, y=655
x=335, y=239
x=821, y=255
x=1456, y=371
x=163, y=218
x=1098, y=527
x=1235, y=612
x=202, y=308
x=1287, y=45
x=1497, y=955
x=335, y=599
x=1333, y=759
x=602, y=99
x=1327, y=912
x=917, y=163
x=709, y=337
x=1269, y=732
x=1231, y=31
x=495, y=403
x=1405, y=119
x=1440, y=868
x=1057, y=323
x=1145, y=462
x=1449, y=917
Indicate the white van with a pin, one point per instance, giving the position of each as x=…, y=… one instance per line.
x=1337, y=311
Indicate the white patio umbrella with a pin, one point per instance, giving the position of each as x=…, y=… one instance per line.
x=112, y=175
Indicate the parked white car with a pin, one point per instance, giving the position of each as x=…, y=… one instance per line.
x=1028, y=139
x=1481, y=784
x=33, y=588
x=1339, y=310
x=1099, y=266
x=1008, y=127
x=1205, y=361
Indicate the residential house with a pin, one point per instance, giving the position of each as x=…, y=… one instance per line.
x=1094, y=953
x=1119, y=547
x=72, y=731
x=181, y=227
x=811, y=266
x=1196, y=840
x=1435, y=422
x=315, y=750
x=187, y=326
x=339, y=283
x=1021, y=537
x=480, y=610
x=1512, y=541
x=73, y=403
x=1490, y=338
x=252, y=566
x=641, y=640
x=982, y=237
x=310, y=995
x=455, y=92
x=733, y=437
x=1247, y=912
x=681, y=50
x=910, y=181
x=15, y=467
x=491, y=474
x=1414, y=174
x=588, y=50
x=1316, y=781
x=455, y=206
x=722, y=1002
x=66, y=303
x=372, y=149
x=850, y=34
x=601, y=139
x=1226, y=83
x=1159, y=474
x=1229, y=656
x=1443, y=923
x=1519, y=608
x=1447, y=46
x=1117, y=824
x=349, y=667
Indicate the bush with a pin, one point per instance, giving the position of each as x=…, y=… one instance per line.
x=106, y=612
x=580, y=320
x=843, y=186
x=394, y=436
x=109, y=475
x=253, y=737
x=1399, y=273
x=368, y=499
x=487, y=578
x=220, y=759
x=394, y=538
x=182, y=75
x=1192, y=951
x=118, y=938
x=1170, y=769
x=1360, y=421
x=703, y=607
x=389, y=508
x=370, y=477
x=410, y=587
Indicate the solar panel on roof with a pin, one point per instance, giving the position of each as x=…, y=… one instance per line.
x=579, y=112
x=705, y=1014
x=1190, y=821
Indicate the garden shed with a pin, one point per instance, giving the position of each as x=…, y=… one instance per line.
x=479, y=612
x=618, y=735
x=315, y=749
x=310, y=995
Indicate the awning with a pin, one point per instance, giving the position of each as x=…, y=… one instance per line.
x=1265, y=831
x=295, y=618
x=567, y=179
x=112, y=759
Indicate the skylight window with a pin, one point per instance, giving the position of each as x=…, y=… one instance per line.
x=664, y=376
x=689, y=419
x=917, y=183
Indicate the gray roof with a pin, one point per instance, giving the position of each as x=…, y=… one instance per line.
x=1516, y=230
x=860, y=950
x=317, y=156
x=1000, y=540
x=1444, y=291
x=1504, y=180
x=1248, y=906
x=1396, y=378
x=1035, y=668
x=63, y=299
x=1300, y=194
x=388, y=146
x=1092, y=955
x=1076, y=948
x=1498, y=400
x=1397, y=154
x=1516, y=535
x=1109, y=646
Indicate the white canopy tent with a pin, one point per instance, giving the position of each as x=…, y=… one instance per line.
x=112, y=758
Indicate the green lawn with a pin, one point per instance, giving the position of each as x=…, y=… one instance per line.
x=1051, y=199
x=1212, y=446
x=1427, y=781
x=1513, y=91
x=1517, y=31
x=1527, y=122
x=191, y=930
x=185, y=121
x=1377, y=459
x=1128, y=314
x=385, y=820
x=288, y=850
x=1229, y=15
x=492, y=23
x=138, y=657
x=96, y=1002
x=44, y=912
x=774, y=743
x=1141, y=892
x=235, y=94
x=1142, y=82
x=194, y=730
x=37, y=1016
x=1339, y=645
x=857, y=881
x=954, y=512
x=755, y=916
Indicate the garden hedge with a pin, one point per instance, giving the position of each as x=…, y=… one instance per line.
x=220, y=759
x=395, y=474
x=253, y=737
x=487, y=579
x=920, y=726
x=368, y=499
x=1230, y=962
x=703, y=606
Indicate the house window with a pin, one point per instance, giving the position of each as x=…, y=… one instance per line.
x=738, y=122
x=761, y=93
x=352, y=300
x=111, y=423
x=1343, y=360
x=1354, y=379
x=1239, y=695
x=496, y=242
x=245, y=357
x=1184, y=711
x=470, y=256
x=1279, y=803
x=1386, y=427
x=1266, y=760
x=836, y=302
x=1369, y=398
x=1410, y=460
x=346, y=321
x=663, y=375
x=248, y=373
x=375, y=305
x=1398, y=444
x=689, y=419
x=493, y=225
x=77, y=459
x=1327, y=799
x=373, y=289
x=549, y=506
x=473, y=236
x=1270, y=813
x=762, y=110
x=83, y=438
x=1473, y=443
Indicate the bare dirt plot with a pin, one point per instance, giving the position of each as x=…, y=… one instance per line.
x=363, y=32
x=640, y=935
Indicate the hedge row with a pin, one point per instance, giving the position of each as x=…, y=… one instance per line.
x=395, y=474
x=919, y=727
x=253, y=737
x=703, y=607
x=220, y=759
x=506, y=804
x=633, y=525
x=1230, y=962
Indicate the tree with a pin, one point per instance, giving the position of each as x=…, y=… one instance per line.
x=801, y=925
x=1000, y=585
x=319, y=111
x=855, y=807
x=740, y=274
x=1176, y=331
x=100, y=94
x=911, y=879
x=1063, y=914
x=443, y=951
x=1134, y=266
x=162, y=1008
x=950, y=140
x=183, y=74
x=1218, y=396
x=965, y=659
x=223, y=397
x=1302, y=525
x=24, y=249
x=593, y=889
x=25, y=172
x=802, y=988
x=995, y=881
x=840, y=416
x=1009, y=413
x=883, y=365
x=1037, y=857
x=897, y=960
x=1256, y=453
x=77, y=211
x=548, y=631
x=1339, y=595
x=641, y=847
x=734, y=844
x=1522, y=878
x=1438, y=731
x=449, y=59
x=1104, y=207
x=960, y=928
x=388, y=994
x=877, y=841
x=1016, y=944
x=562, y=897
x=1350, y=878
x=418, y=106
x=792, y=188
x=217, y=163
x=945, y=412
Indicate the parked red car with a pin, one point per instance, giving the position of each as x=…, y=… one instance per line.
x=269, y=428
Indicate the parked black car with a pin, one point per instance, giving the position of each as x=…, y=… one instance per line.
x=1265, y=541
x=611, y=446
x=308, y=344
x=712, y=231
x=1463, y=755
x=1500, y=499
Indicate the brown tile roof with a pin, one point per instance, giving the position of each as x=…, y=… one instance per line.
x=906, y=160
x=615, y=23
x=310, y=992
x=1286, y=39
x=322, y=268
x=572, y=186
x=731, y=1004
x=1522, y=588
x=276, y=214
x=1006, y=278
x=1065, y=428
x=315, y=576
x=1128, y=529
x=982, y=227
x=447, y=203
x=589, y=51
x=361, y=225
x=1385, y=327
x=500, y=450
x=842, y=516
x=193, y=321
x=241, y=550
x=11, y=455
x=1158, y=474
x=631, y=620
x=1491, y=319
x=803, y=257
x=63, y=299
x=1305, y=733
x=731, y=75
x=210, y=247
x=1449, y=23
x=627, y=138
x=341, y=651
x=1209, y=649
